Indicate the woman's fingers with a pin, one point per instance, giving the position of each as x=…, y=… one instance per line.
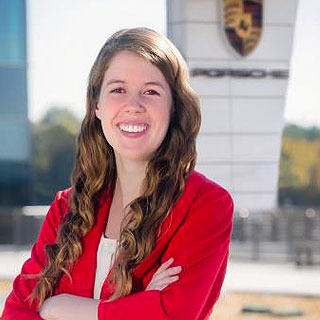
x=156, y=284
x=164, y=265
x=164, y=270
x=168, y=272
x=163, y=283
x=164, y=276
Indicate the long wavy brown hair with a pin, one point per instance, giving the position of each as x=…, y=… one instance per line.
x=95, y=167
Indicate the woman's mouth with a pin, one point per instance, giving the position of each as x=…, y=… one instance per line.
x=133, y=130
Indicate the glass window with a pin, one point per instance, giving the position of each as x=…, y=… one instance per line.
x=12, y=31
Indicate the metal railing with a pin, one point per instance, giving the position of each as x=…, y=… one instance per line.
x=20, y=226
x=284, y=234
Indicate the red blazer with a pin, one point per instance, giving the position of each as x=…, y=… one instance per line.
x=196, y=233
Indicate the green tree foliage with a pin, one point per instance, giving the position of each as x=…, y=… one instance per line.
x=63, y=117
x=299, y=181
x=303, y=154
x=53, y=151
x=287, y=176
x=299, y=132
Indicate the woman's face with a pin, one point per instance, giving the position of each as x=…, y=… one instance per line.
x=134, y=106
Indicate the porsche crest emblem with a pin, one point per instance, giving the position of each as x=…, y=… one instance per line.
x=243, y=24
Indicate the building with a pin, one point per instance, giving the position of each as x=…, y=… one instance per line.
x=242, y=93
x=14, y=125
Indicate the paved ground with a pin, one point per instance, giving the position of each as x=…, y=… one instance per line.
x=278, y=278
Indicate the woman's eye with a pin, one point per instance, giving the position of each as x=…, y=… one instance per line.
x=117, y=90
x=152, y=92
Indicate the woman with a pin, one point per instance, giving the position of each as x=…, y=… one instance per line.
x=133, y=184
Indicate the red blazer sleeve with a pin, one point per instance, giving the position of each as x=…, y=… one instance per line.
x=17, y=305
x=201, y=247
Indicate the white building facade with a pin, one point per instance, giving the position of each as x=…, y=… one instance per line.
x=242, y=97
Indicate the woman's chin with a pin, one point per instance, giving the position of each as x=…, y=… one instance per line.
x=133, y=156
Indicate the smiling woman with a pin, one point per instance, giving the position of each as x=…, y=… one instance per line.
x=137, y=213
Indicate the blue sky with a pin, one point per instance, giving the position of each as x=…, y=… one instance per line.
x=64, y=39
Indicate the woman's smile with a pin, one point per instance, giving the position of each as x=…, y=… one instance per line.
x=133, y=130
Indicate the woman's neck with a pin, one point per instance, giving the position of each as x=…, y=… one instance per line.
x=130, y=176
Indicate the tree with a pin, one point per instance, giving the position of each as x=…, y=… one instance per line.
x=287, y=177
x=53, y=152
x=299, y=132
x=299, y=182
x=315, y=174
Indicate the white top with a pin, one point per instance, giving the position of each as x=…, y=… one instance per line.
x=105, y=255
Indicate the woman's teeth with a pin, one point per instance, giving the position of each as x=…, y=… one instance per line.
x=132, y=128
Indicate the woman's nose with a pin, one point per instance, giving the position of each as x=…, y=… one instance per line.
x=134, y=103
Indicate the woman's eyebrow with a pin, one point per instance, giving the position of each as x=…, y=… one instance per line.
x=111, y=81
x=155, y=83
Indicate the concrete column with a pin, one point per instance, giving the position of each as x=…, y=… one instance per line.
x=242, y=118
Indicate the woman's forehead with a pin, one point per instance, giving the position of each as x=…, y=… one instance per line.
x=126, y=65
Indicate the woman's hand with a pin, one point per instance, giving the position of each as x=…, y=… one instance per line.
x=163, y=276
